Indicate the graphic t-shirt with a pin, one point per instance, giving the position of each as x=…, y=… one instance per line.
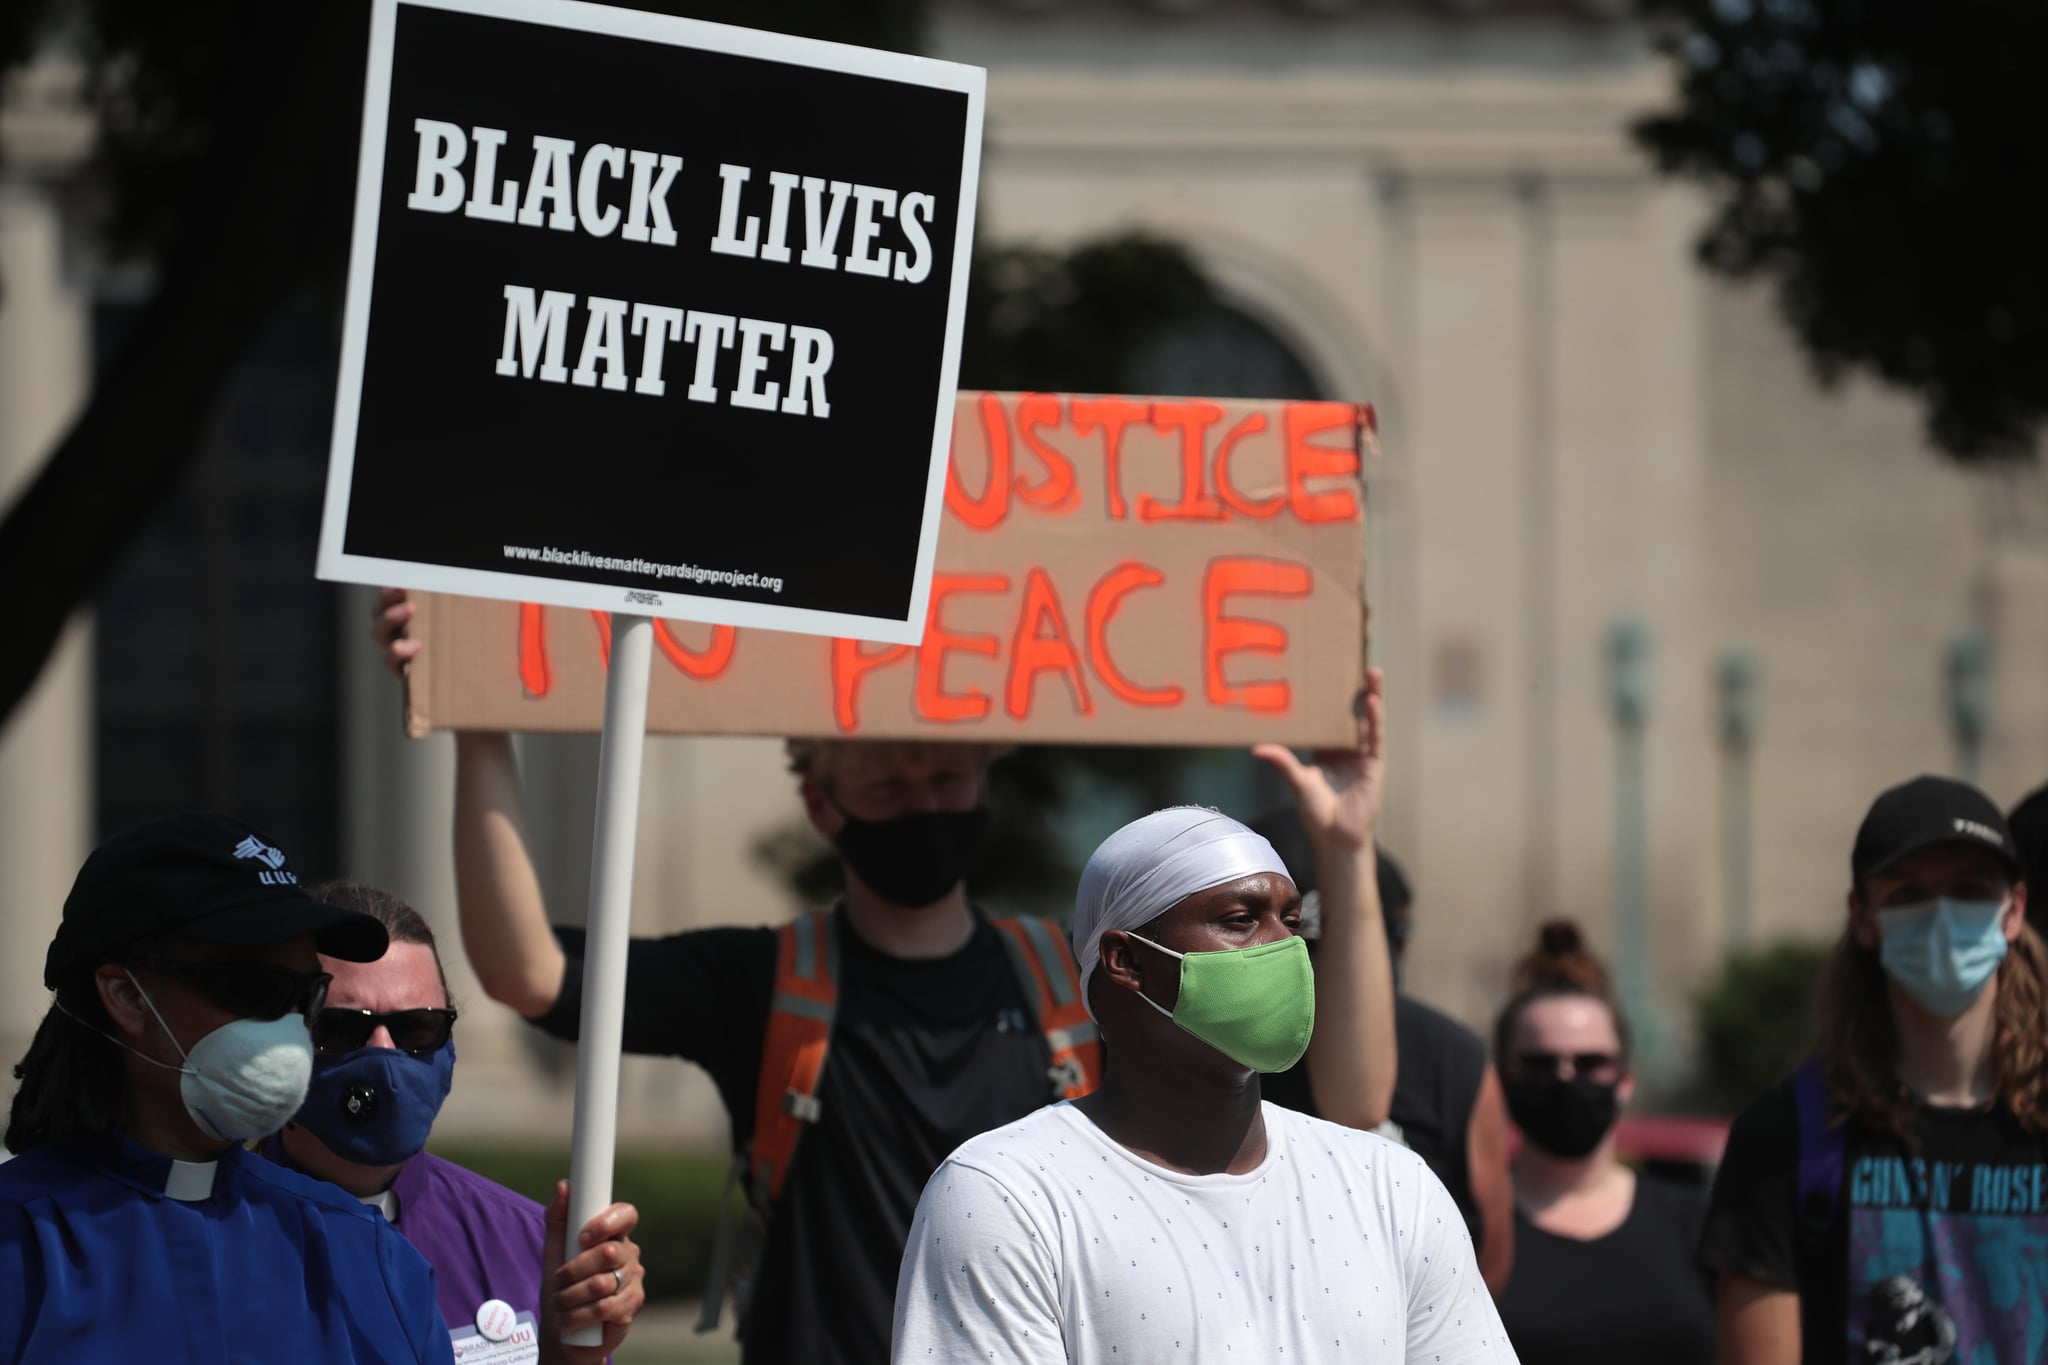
x=925, y=1055
x=1936, y=1249
x=1045, y=1242
x=1633, y=1295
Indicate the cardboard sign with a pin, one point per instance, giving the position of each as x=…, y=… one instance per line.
x=652, y=315
x=1113, y=570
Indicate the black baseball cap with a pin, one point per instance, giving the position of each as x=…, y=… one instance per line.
x=1923, y=813
x=206, y=876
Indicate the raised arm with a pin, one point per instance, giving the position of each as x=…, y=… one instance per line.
x=504, y=919
x=1351, y=1057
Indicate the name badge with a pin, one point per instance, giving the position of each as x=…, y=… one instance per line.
x=497, y=1342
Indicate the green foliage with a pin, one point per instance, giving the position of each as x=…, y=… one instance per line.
x=1870, y=157
x=677, y=1194
x=1755, y=1020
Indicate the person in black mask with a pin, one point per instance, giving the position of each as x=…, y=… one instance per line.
x=854, y=1050
x=1603, y=1256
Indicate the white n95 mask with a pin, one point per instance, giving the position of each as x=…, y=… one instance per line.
x=245, y=1079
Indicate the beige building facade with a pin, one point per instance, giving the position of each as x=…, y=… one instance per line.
x=1434, y=209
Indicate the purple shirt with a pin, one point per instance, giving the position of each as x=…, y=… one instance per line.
x=483, y=1240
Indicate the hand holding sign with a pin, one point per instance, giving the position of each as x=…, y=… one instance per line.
x=1340, y=793
x=676, y=470
x=601, y=1287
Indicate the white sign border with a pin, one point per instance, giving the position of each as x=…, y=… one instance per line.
x=335, y=564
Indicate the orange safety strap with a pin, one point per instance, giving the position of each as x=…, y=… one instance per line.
x=1045, y=969
x=793, y=1052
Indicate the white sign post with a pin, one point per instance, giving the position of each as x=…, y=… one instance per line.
x=657, y=317
x=620, y=749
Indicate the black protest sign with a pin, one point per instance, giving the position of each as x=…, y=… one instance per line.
x=651, y=315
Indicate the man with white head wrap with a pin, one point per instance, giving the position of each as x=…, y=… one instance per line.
x=1172, y=1214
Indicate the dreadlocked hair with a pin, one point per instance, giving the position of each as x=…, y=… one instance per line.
x=1859, y=1042
x=73, y=1081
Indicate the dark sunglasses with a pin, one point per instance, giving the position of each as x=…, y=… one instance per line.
x=418, y=1032
x=1583, y=1063
x=248, y=990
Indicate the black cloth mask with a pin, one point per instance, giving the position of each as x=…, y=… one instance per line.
x=1566, y=1118
x=913, y=860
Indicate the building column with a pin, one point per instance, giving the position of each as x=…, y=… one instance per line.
x=46, y=755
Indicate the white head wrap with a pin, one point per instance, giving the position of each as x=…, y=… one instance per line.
x=1153, y=864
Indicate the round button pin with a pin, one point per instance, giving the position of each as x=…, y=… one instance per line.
x=495, y=1319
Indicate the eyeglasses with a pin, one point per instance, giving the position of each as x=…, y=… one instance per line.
x=1582, y=1063
x=418, y=1032
x=247, y=990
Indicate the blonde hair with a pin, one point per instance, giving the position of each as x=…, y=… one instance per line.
x=814, y=760
x=1859, y=1042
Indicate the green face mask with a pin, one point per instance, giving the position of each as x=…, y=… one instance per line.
x=1256, y=1006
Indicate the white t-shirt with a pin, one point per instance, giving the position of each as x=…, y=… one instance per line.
x=1045, y=1241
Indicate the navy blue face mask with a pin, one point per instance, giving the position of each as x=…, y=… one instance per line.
x=376, y=1105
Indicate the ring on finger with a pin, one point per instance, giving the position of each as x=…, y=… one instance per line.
x=619, y=1281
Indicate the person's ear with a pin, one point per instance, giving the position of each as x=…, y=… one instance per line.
x=2016, y=913
x=1862, y=921
x=1625, y=1088
x=1119, y=960
x=121, y=998
x=825, y=815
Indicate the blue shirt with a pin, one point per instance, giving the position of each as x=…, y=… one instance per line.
x=253, y=1265
x=483, y=1240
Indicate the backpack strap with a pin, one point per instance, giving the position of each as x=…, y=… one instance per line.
x=1821, y=1149
x=793, y=1049
x=1046, y=973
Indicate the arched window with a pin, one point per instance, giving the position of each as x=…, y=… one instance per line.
x=1225, y=353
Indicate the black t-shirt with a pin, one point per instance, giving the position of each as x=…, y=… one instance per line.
x=925, y=1054
x=1441, y=1066
x=1633, y=1295
x=1938, y=1236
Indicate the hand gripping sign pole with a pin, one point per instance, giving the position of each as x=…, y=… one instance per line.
x=476, y=309
x=620, y=750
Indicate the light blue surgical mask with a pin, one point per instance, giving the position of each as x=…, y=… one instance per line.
x=1943, y=951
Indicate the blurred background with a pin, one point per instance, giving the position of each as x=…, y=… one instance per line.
x=1707, y=347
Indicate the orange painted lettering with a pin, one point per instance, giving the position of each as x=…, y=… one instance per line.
x=850, y=664
x=1103, y=601
x=1112, y=415
x=1239, y=504
x=1225, y=635
x=1034, y=652
x=708, y=664
x=933, y=701
x=1192, y=421
x=1305, y=461
x=994, y=503
x=1056, y=492
x=536, y=675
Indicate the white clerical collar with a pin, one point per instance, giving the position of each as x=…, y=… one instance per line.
x=190, y=1181
x=385, y=1202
